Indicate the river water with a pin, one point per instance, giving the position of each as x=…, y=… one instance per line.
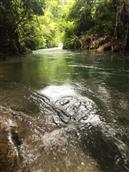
x=71, y=108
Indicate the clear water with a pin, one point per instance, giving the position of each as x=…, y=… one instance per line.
x=75, y=109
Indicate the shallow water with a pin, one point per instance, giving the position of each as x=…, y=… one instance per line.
x=74, y=109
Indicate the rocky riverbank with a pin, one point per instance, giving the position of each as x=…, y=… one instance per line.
x=99, y=43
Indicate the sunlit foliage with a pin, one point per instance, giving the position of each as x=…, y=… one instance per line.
x=15, y=17
x=100, y=17
x=33, y=24
x=54, y=22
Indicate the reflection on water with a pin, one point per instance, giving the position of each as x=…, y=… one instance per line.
x=55, y=92
x=71, y=108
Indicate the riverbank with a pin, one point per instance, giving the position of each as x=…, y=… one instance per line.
x=89, y=41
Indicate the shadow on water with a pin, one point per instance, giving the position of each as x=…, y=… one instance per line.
x=71, y=110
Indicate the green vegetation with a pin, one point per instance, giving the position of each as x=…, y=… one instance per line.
x=31, y=24
x=86, y=24
x=53, y=22
x=17, y=24
x=98, y=22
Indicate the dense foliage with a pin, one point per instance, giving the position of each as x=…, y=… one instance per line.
x=54, y=22
x=33, y=24
x=98, y=18
x=17, y=20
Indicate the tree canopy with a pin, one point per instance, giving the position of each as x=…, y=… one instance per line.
x=33, y=24
x=101, y=18
x=14, y=16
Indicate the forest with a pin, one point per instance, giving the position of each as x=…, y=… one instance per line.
x=27, y=25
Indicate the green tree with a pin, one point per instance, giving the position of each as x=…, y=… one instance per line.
x=54, y=21
x=14, y=15
x=102, y=18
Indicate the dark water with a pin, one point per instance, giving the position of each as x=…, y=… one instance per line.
x=75, y=109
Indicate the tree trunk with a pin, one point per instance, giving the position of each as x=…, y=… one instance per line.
x=121, y=32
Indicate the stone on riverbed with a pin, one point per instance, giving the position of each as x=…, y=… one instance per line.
x=9, y=160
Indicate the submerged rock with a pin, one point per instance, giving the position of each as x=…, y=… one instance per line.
x=44, y=147
x=68, y=134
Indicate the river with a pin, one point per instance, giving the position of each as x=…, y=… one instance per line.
x=71, y=109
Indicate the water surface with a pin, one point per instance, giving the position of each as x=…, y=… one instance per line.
x=76, y=104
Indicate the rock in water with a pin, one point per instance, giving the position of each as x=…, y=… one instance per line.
x=9, y=161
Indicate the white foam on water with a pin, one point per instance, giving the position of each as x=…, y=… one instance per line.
x=54, y=92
